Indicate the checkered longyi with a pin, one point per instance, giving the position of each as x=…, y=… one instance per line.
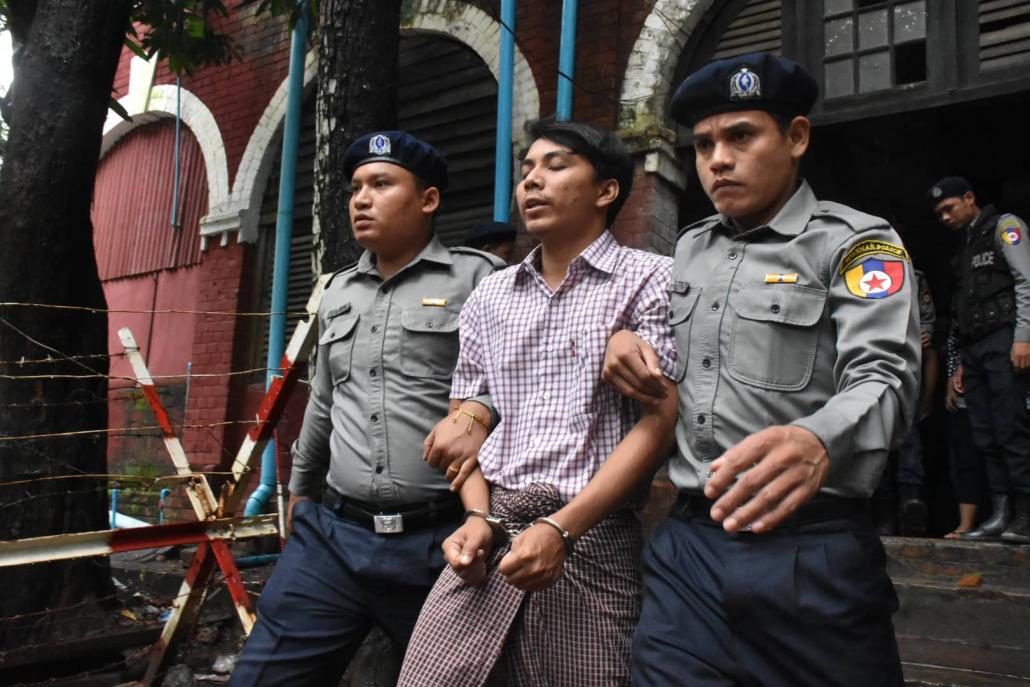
x=576, y=632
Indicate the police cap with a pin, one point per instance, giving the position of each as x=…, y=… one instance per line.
x=399, y=148
x=948, y=187
x=485, y=232
x=756, y=81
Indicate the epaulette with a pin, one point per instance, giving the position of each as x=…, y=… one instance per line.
x=854, y=219
x=705, y=224
x=494, y=261
x=345, y=268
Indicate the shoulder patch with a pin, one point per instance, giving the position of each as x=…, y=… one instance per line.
x=875, y=278
x=494, y=261
x=1011, y=230
x=869, y=247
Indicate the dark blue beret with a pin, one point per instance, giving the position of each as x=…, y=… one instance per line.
x=756, y=81
x=948, y=187
x=399, y=148
x=484, y=232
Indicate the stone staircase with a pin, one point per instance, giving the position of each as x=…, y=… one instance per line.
x=964, y=619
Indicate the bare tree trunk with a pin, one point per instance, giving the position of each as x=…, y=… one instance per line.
x=64, y=72
x=357, y=93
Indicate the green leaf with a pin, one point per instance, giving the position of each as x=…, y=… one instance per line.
x=135, y=48
x=117, y=108
x=196, y=26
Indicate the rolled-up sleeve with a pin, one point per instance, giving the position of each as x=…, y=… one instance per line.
x=469, y=379
x=310, y=451
x=651, y=316
x=876, y=374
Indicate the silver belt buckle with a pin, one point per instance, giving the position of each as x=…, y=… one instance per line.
x=388, y=524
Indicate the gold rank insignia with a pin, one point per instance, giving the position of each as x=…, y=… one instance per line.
x=435, y=302
x=775, y=278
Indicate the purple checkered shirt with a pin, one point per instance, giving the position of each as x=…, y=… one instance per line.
x=539, y=354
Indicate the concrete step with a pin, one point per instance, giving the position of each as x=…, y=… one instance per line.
x=945, y=561
x=919, y=675
x=974, y=634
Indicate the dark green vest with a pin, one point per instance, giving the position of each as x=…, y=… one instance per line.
x=985, y=299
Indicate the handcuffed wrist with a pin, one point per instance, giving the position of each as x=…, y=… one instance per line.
x=566, y=536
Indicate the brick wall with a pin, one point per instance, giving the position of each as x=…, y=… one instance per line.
x=237, y=94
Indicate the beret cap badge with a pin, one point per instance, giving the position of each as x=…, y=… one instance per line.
x=745, y=84
x=379, y=145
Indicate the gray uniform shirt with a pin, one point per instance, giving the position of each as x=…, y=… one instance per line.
x=810, y=320
x=1012, y=242
x=385, y=356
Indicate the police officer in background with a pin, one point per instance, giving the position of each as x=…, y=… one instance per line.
x=493, y=237
x=992, y=308
x=798, y=342
x=370, y=551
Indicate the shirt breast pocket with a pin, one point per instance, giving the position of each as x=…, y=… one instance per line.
x=774, y=335
x=682, y=301
x=338, y=339
x=429, y=342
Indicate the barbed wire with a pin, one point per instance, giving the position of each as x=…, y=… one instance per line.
x=166, y=311
x=114, y=430
x=100, y=375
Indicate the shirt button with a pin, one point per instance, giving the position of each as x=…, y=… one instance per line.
x=375, y=418
x=700, y=419
x=372, y=372
x=672, y=313
x=733, y=255
x=375, y=328
x=715, y=306
x=775, y=308
x=379, y=469
x=550, y=348
x=706, y=363
x=546, y=396
x=429, y=325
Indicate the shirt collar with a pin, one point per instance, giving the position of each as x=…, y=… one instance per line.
x=433, y=252
x=601, y=254
x=792, y=218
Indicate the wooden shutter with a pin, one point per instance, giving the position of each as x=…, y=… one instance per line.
x=756, y=29
x=448, y=97
x=1004, y=33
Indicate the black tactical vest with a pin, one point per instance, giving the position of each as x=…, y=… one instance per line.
x=986, y=298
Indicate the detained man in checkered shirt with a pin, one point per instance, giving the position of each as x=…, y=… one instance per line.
x=543, y=586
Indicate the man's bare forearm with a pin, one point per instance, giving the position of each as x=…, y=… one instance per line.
x=634, y=460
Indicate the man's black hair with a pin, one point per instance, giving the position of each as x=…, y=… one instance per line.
x=601, y=148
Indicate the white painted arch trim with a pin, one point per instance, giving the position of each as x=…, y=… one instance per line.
x=452, y=18
x=475, y=28
x=195, y=115
x=653, y=60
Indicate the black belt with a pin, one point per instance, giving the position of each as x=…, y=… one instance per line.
x=394, y=519
x=824, y=513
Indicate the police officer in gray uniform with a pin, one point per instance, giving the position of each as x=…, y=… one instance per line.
x=992, y=308
x=370, y=551
x=798, y=341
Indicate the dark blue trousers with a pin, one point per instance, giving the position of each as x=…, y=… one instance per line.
x=790, y=608
x=332, y=582
x=996, y=397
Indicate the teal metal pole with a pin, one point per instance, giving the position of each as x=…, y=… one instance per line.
x=566, y=59
x=283, y=231
x=505, y=88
